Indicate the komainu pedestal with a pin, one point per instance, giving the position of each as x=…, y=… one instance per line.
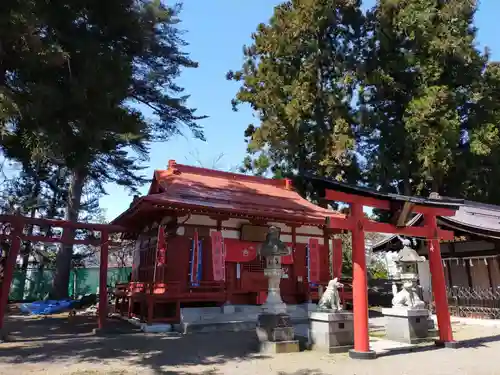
x=331, y=332
x=406, y=325
x=276, y=334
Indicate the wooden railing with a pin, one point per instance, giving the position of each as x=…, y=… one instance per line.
x=208, y=287
x=171, y=289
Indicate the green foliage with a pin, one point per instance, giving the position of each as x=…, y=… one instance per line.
x=418, y=77
x=72, y=77
x=397, y=98
x=75, y=103
x=377, y=269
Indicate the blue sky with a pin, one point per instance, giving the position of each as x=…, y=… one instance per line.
x=216, y=31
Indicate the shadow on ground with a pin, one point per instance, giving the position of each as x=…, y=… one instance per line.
x=479, y=341
x=302, y=372
x=59, y=339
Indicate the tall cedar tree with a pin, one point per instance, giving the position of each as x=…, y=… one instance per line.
x=478, y=170
x=71, y=77
x=421, y=69
x=299, y=77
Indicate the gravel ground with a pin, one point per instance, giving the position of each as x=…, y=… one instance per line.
x=57, y=345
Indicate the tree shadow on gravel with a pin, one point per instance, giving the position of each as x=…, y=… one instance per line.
x=302, y=372
x=55, y=340
x=215, y=372
x=478, y=341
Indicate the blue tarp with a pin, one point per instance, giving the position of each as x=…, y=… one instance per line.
x=46, y=307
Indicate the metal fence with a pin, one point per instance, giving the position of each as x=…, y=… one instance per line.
x=33, y=284
x=482, y=303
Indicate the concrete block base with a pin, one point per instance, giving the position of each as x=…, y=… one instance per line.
x=213, y=327
x=276, y=334
x=332, y=349
x=447, y=344
x=228, y=309
x=370, y=354
x=406, y=325
x=270, y=347
x=274, y=328
x=149, y=328
x=331, y=332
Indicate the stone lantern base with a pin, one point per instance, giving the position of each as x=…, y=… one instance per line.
x=276, y=333
x=406, y=325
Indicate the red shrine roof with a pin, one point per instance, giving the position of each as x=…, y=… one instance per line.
x=206, y=191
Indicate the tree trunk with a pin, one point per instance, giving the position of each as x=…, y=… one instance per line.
x=65, y=253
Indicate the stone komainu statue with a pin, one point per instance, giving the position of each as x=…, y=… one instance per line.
x=330, y=300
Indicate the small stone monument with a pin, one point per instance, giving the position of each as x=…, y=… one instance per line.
x=406, y=321
x=274, y=329
x=330, y=328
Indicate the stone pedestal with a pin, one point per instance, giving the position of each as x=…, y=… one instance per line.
x=276, y=334
x=332, y=332
x=406, y=325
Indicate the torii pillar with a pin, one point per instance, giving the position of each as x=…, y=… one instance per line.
x=359, y=287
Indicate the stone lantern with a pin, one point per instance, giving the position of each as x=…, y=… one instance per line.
x=406, y=321
x=407, y=262
x=272, y=250
x=274, y=329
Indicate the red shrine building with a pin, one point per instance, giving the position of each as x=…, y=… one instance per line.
x=197, y=235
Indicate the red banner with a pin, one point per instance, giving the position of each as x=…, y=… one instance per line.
x=161, y=247
x=337, y=257
x=195, y=258
x=237, y=251
x=161, y=256
x=313, y=257
x=218, y=258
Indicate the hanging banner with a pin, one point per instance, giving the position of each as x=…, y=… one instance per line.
x=337, y=257
x=161, y=247
x=136, y=259
x=218, y=258
x=196, y=260
x=237, y=251
x=161, y=256
x=313, y=260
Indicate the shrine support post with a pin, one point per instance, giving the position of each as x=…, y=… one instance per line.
x=359, y=287
x=438, y=282
x=8, y=270
x=103, y=280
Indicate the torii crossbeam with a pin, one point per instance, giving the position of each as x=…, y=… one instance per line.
x=358, y=224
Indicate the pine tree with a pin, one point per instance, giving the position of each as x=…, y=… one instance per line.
x=70, y=92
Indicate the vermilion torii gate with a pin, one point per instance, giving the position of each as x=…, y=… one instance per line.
x=16, y=234
x=358, y=224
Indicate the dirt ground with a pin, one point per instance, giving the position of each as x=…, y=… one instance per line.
x=58, y=345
